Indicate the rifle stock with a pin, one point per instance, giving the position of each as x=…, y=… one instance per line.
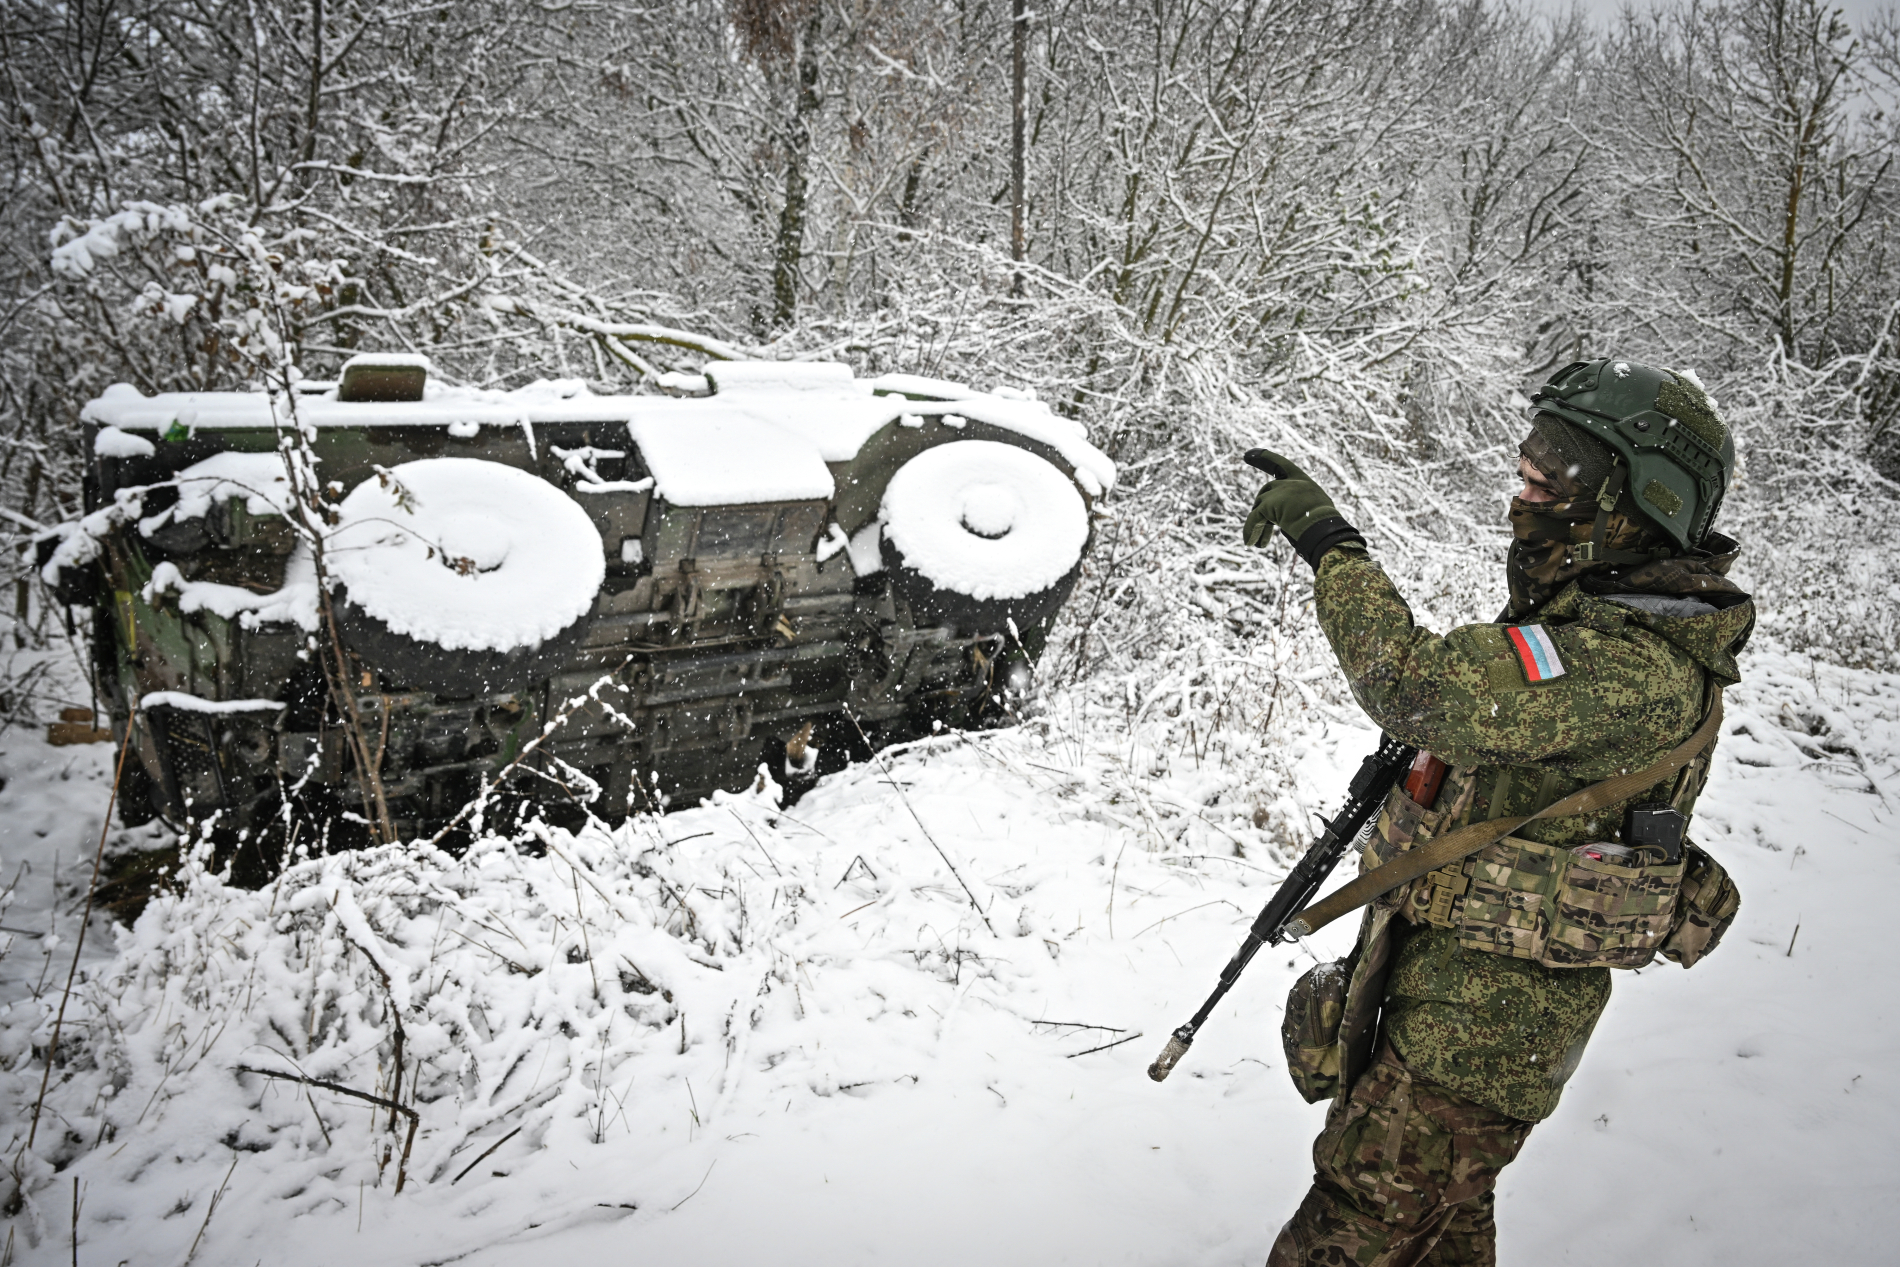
x=1377, y=773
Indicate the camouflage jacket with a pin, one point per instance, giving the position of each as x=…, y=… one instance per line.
x=1587, y=688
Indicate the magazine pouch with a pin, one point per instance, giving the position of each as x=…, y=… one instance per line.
x=1562, y=907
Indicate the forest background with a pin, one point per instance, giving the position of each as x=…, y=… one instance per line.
x=1358, y=232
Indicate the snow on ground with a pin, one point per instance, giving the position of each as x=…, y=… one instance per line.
x=735, y=1035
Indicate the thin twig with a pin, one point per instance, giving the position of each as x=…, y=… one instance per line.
x=1112, y=1029
x=209, y=1210
x=79, y=943
x=322, y=1084
x=807, y=826
x=855, y=864
x=486, y=1154
x=702, y=1183
x=1219, y=901
x=481, y=945
x=580, y=917
x=395, y=1019
x=755, y=840
x=1114, y=877
x=1105, y=1046
x=501, y=776
x=369, y=773
x=878, y=757
x=312, y=1102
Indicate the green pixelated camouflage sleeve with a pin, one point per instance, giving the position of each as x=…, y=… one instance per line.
x=1625, y=696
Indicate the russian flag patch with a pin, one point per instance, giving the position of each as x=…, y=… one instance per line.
x=1537, y=651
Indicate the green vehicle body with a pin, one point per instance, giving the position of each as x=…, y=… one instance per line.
x=723, y=632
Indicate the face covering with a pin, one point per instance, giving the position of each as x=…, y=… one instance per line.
x=1575, y=463
x=1542, y=560
x=1543, y=553
x=1575, y=466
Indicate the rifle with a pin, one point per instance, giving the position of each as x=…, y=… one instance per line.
x=1377, y=773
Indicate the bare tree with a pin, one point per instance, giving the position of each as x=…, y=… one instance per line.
x=1759, y=172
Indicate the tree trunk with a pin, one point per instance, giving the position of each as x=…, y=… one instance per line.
x=1018, y=49
x=791, y=219
x=313, y=103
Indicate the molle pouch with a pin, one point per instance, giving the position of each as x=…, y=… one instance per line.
x=1706, y=908
x=1563, y=908
x=1507, y=894
x=1310, y=1034
x=1611, y=915
x=1400, y=825
x=1405, y=823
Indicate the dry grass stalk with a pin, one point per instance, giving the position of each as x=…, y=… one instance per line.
x=79, y=943
x=414, y=1119
x=905, y=797
x=209, y=1211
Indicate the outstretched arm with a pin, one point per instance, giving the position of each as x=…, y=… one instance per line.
x=1584, y=695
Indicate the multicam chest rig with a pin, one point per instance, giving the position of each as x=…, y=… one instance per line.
x=1627, y=905
x=1614, y=900
x=1597, y=903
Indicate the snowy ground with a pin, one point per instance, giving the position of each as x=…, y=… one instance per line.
x=740, y=1036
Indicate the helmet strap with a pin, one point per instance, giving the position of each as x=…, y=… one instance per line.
x=1594, y=550
x=1606, y=503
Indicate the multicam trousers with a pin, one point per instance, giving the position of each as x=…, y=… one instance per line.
x=1405, y=1178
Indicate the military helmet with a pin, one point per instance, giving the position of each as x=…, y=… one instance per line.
x=1664, y=428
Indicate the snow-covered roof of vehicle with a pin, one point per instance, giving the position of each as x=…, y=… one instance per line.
x=765, y=433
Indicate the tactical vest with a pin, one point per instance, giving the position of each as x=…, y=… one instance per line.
x=1555, y=899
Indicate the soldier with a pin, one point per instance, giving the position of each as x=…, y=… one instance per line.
x=1473, y=990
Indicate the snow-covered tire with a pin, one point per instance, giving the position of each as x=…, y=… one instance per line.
x=979, y=534
x=463, y=577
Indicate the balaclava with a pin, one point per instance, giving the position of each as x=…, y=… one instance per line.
x=1543, y=556
x=1569, y=456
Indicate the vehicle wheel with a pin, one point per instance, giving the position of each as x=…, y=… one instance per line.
x=979, y=534
x=463, y=577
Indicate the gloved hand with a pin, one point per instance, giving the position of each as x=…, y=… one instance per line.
x=1292, y=502
x=1298, y=507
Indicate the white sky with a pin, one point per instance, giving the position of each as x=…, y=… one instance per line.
x=1604, y=10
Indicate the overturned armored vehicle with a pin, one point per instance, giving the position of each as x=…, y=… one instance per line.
x=648, y=596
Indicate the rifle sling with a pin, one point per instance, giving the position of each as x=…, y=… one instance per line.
x=1460, y=844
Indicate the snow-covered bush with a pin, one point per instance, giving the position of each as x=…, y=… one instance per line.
x=548, y=992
